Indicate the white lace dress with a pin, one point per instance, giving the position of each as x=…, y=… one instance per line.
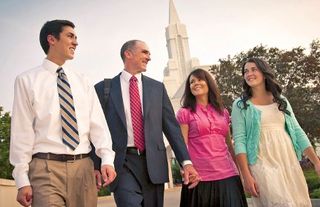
x=277, y=171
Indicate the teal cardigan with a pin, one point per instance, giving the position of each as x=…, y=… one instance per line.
x=246, y=130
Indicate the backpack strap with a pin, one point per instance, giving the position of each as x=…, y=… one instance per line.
x=103, y=90
x=106, y=90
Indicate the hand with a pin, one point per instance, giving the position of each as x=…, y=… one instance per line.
x=97, y=175
x=251, y=186
x=24, y=196
x=108, y=174
x=190, y=176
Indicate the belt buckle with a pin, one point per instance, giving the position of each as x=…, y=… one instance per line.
x=69, y=158
x=138, y=151
x=64, y=158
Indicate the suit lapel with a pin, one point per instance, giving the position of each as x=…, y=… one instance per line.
x=146, y=89
x=116, y=96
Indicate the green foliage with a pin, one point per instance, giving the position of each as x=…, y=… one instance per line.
x=5, y=167
x=104, y=191
x=177, y=179
x=313, y=183
x=296, y=71
x=315, y=194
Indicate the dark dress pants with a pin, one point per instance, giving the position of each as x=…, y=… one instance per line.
x=134, y=188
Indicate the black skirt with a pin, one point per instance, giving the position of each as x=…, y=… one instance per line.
x=227, y=192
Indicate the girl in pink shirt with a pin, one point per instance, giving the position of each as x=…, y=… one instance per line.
x=204, y=124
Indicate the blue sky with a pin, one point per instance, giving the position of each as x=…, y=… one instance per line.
x=216, y=29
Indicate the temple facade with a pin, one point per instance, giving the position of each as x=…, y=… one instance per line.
x=180, y=62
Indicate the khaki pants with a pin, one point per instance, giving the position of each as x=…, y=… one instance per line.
x=63, y=184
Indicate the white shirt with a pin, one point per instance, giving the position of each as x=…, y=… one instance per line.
x=36, y=120
x=125, y=83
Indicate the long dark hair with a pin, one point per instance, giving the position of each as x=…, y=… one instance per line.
x=188, y=100
x=270, y=84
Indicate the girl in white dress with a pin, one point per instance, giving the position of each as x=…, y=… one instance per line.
x=269, y=141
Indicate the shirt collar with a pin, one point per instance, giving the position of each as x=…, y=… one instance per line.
x=126, y=76
x=51, y=66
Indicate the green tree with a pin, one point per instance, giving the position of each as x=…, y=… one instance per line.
x=5, y=167
x=296, y=71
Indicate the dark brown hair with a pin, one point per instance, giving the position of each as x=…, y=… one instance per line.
x=188, y=100
x=54, y=28
x=270, y=84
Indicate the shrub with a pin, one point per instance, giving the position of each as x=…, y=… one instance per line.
x=175, y=168
x=313, y=183
x=104, y=191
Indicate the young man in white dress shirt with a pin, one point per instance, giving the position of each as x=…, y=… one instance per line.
x=48, y=170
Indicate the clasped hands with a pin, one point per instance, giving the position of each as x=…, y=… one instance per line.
x=190, y=176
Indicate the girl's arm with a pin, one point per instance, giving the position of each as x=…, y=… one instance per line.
x=185, y=130
x=230, y=147
x=250, y=184
x=310, y=153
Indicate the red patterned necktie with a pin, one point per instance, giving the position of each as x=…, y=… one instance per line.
x=136, y=114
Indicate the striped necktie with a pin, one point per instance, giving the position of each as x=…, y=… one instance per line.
x=70, y=135
x=136, y=114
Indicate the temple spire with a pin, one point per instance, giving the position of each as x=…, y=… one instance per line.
x=180, y=63
x=173, y=15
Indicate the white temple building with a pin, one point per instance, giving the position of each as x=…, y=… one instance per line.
x=180, y=62
x=179, y=65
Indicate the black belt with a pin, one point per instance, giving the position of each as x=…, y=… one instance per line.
x=59, y=157
x=135, y=151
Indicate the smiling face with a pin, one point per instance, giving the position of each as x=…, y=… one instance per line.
x=62, y=49
x=198, y=87
x=253, y=75
x=137, y=58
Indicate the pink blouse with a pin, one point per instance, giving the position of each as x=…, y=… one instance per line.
x=207, y=142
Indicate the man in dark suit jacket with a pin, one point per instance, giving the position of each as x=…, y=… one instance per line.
x=141, y=173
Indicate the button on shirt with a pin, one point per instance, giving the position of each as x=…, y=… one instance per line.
x=36, y=120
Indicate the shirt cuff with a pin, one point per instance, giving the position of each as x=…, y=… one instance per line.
x=186, y=162
x=22, y=181
x=107, y=159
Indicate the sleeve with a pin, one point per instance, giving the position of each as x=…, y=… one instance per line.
x=22, y=133
x=183, y=116
x=97, y=160
x=227, y=116
x=172, y=129
x=99, y=132
x=238, y=128
x=302, y=138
